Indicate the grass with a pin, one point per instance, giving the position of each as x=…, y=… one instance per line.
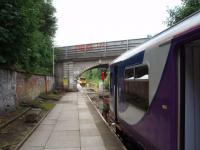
x=47, y=106
x=51, y=96
x=37, y=103
x=94, y=86
x=44, y=101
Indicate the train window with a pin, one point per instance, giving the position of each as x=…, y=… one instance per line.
x=136, y=89
x=129, y=73
x=141, y=73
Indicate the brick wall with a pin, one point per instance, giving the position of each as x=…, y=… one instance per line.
x=15, y=86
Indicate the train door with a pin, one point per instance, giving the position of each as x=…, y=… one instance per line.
x=116, y=92
x=190, y=96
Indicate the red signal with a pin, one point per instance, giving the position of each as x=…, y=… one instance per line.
x=102, y=76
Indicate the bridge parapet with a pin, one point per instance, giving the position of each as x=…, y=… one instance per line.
x=96, y=50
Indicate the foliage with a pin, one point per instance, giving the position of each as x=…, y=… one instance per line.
x=180, y=12
x=107, y=82
x=94, y=76
x=26, y=29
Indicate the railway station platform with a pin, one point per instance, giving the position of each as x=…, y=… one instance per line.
x=73, y=124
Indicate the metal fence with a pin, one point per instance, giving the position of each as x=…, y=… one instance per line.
x=93, y=50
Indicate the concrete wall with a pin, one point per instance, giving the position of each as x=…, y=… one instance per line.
x=15, y=87
x=59, y=75
x=7, y=90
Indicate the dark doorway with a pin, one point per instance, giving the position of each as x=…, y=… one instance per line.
x=190, y=98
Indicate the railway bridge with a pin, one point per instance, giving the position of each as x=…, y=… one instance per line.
x=73, y=60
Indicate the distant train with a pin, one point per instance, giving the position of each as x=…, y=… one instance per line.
x=155, y=90
x=82, y=81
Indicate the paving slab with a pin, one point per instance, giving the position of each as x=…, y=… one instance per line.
x=88, y=126
x=45, y=127
x=69, y=115
x=67, y=125
x=32, y=148
x=91, y=141
x=73, y=124
x=38, y=139
x=47, y=121
x=90, y=132
x=63, y=149
x=96, y=148
x=64, y=139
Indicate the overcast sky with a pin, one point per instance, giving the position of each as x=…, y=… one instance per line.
x=88, y=21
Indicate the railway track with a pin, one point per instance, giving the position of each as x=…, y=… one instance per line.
x=15, y=131
x=98, y=103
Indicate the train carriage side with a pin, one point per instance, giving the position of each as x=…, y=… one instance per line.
x=155, y=90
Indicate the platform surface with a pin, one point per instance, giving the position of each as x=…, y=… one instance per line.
x=73, y=124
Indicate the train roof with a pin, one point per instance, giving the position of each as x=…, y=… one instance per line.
x=163, y=37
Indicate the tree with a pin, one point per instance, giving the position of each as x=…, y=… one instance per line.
x=9, y=31
x=26, y=35
x=180, y=12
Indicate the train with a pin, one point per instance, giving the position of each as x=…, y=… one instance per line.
x=155, y=90
x=82, y=81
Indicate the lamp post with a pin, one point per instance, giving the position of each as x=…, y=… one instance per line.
x=53, y=61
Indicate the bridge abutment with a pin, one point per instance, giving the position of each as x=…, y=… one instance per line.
x=67, y=73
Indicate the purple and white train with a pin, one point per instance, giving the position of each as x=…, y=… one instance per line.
x=155, y=90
